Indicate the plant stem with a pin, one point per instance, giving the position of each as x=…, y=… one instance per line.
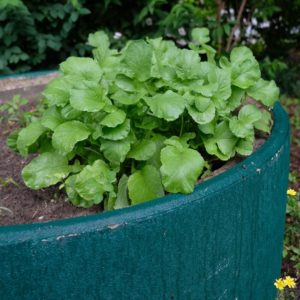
x=92, y=150
x=182, y=125
x=236, y=26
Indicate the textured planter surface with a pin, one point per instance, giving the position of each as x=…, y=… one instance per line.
x=224, y=241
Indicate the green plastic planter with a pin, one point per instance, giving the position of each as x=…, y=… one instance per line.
x=223, y=241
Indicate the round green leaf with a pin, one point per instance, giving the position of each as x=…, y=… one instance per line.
x=93, y=181
x=243, y=125
x=88, y=98
x=70, y=113
x=57, y=92
x=201, y=103
x=66, y=135
x=143, y=150
x=117, y=133
x=28, y=136
x=223, y=82
x=186, y=64
x=148, y=123
x=235, y=99
x=244, y=68
x=168, y=106
x=45, y=170
x=202, y=117
x=180, y=169
x=264, y=123
x=265, y=91
x=51, y=118
x=240, y=128
x=245, y=146
x=115, y=151
x=122, y=197
x=138, y=57
x=249, y=114
x=208, y=128
x=114, y=119
x=84, y=67
x=98, y=39
x=73, y=196
x=125, y=83
x=222, y=143
x=125, y=98
x=225, y=140
x=145, y=185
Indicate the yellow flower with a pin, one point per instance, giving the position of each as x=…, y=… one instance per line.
x=291, y=192
x=290, y=282
x=280, y=284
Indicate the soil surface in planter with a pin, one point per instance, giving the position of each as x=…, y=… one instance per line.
x=19, y=204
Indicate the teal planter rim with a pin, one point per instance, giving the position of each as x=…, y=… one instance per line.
x=134, y=214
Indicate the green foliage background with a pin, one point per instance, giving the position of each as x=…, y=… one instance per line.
x=38, y=34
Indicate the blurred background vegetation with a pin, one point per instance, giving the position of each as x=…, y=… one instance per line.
x=38, y=34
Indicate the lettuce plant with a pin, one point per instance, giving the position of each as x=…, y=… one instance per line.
x=125, y=127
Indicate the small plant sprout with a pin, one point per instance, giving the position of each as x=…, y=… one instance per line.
x=10, y=110
x=13, y=111
x=4, y=182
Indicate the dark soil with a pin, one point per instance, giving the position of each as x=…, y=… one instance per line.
x=18, y=204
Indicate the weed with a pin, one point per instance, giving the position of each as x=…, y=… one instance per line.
x=4, y=182
x=10, y=111
x=291, y=250
x=293, y=176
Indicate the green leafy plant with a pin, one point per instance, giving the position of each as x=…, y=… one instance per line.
x=13, y=111
x=128, y=126
x=10, y=110
x=291, y=241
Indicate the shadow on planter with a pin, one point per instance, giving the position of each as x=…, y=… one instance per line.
x=223, y=241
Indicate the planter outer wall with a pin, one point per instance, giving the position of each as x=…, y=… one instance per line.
x=223, y=241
